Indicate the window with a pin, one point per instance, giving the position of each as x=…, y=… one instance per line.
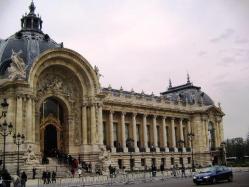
x=172, y=160
x=127, y=135
x=138, y=132
x=163, y=161
x=104, y=133
x=158, y=135
x=142, y=161
x=148, y=133
x=115, y=133
x=189, y=160
x=181, y=160
x=153, y=160
x=167, y=134
x=120, y=163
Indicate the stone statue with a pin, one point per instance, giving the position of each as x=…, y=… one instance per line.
x=17, y=69
x=105, y=160
x=96, y=69
x=30, y=157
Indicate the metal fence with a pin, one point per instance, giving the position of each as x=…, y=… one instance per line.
x=120, y=179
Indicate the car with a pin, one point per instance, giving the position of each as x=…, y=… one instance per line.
x=213, y=174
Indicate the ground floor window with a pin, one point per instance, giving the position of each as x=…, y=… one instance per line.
x=172, y=160
x=120, y=163
x=189, y=160
x=142, y=161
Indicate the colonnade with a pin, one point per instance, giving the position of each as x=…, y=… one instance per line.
x=157, y=126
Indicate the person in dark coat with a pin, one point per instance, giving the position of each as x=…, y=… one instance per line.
x=23, y=179
x=34, y=172
x=44, y=177
x=53, y=177
x=49, y=177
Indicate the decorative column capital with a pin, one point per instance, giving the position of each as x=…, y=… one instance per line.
x=154, y=116
x=134, y=114
x=164, y=117
x=111, y=112
x=123, y=113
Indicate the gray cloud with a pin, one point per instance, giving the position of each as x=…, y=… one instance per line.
x=202, y=53
x=225, y=35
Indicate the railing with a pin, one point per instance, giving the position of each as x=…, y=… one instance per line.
x=127, y=178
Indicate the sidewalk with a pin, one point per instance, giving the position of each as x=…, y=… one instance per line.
x=128, y=178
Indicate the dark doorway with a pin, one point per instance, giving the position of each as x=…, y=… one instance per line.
x=50, y=141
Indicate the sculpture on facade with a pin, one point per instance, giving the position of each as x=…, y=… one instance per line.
x=30, y=157
x=105, y=160
x=17, y=69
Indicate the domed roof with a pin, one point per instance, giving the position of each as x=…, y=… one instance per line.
x=28, y=43
x=187, y=93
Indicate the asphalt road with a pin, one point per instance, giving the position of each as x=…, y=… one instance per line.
x=240, y=180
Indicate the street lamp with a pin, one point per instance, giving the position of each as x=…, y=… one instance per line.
x=5, y=130
x=130, y=143
x=18, y=140
x=181, y=143
x=191, y=137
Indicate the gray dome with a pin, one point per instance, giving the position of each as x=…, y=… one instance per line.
x=30, y=42
x=188, y=93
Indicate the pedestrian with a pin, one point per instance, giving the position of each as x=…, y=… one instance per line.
x=34, y=172
x=49, y=177
x=79, y=172
x=174, y=171
x=23, y=179
x=44, y=177
x=1, y=181
x=153, y=169
x=53, y=177
x=73, y=172
x=183, y=171
x=162, y=168
x=17, y=182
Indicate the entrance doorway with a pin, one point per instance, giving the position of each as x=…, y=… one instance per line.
x=50, y=141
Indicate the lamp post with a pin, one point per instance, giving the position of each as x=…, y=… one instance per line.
x=191, y=136
x=18, y=140
x=130, y=143
x=181, y=143
x=5, y=128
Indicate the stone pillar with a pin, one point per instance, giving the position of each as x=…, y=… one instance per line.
x=173, y=138
x=217, y=134
x=111, y=131
x=164, y=143
x=29, y=120
x=84, y=124
x=189, y=131
x=123, y=141
x=134, y=131
x=100, y=124
x=182, y=136
x=93, y=124
x=145, y=138
x=155, y=138
x=19, y=115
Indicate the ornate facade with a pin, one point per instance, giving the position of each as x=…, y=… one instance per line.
x=55, y=100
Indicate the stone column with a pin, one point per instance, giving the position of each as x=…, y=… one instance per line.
x=164, y=134
x=84, y=124
x=182, y=136
x=93, y=124
x=19, y=115
x=123, y=141
x=100, y=124
x=189, y=131
x=29, y=120
x=111, y=131
x=145, y=132
x=155, y=138
x=217, y=134
x=173, y=138
x=134, y=131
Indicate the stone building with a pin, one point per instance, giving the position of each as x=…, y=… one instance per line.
x=55, y=100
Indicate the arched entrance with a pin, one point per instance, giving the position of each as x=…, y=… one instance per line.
x=53, y=127
x=50, y=140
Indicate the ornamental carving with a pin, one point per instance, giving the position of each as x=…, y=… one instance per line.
x=17, y=69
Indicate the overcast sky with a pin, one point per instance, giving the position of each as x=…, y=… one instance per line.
x=140, y=44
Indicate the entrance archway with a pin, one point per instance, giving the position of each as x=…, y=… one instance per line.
x=50, y=140
x=53, y=126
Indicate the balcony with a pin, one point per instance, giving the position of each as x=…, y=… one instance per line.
x=162, y=149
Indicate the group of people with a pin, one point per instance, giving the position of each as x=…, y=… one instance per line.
x=48, y=178
x=175, y=169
